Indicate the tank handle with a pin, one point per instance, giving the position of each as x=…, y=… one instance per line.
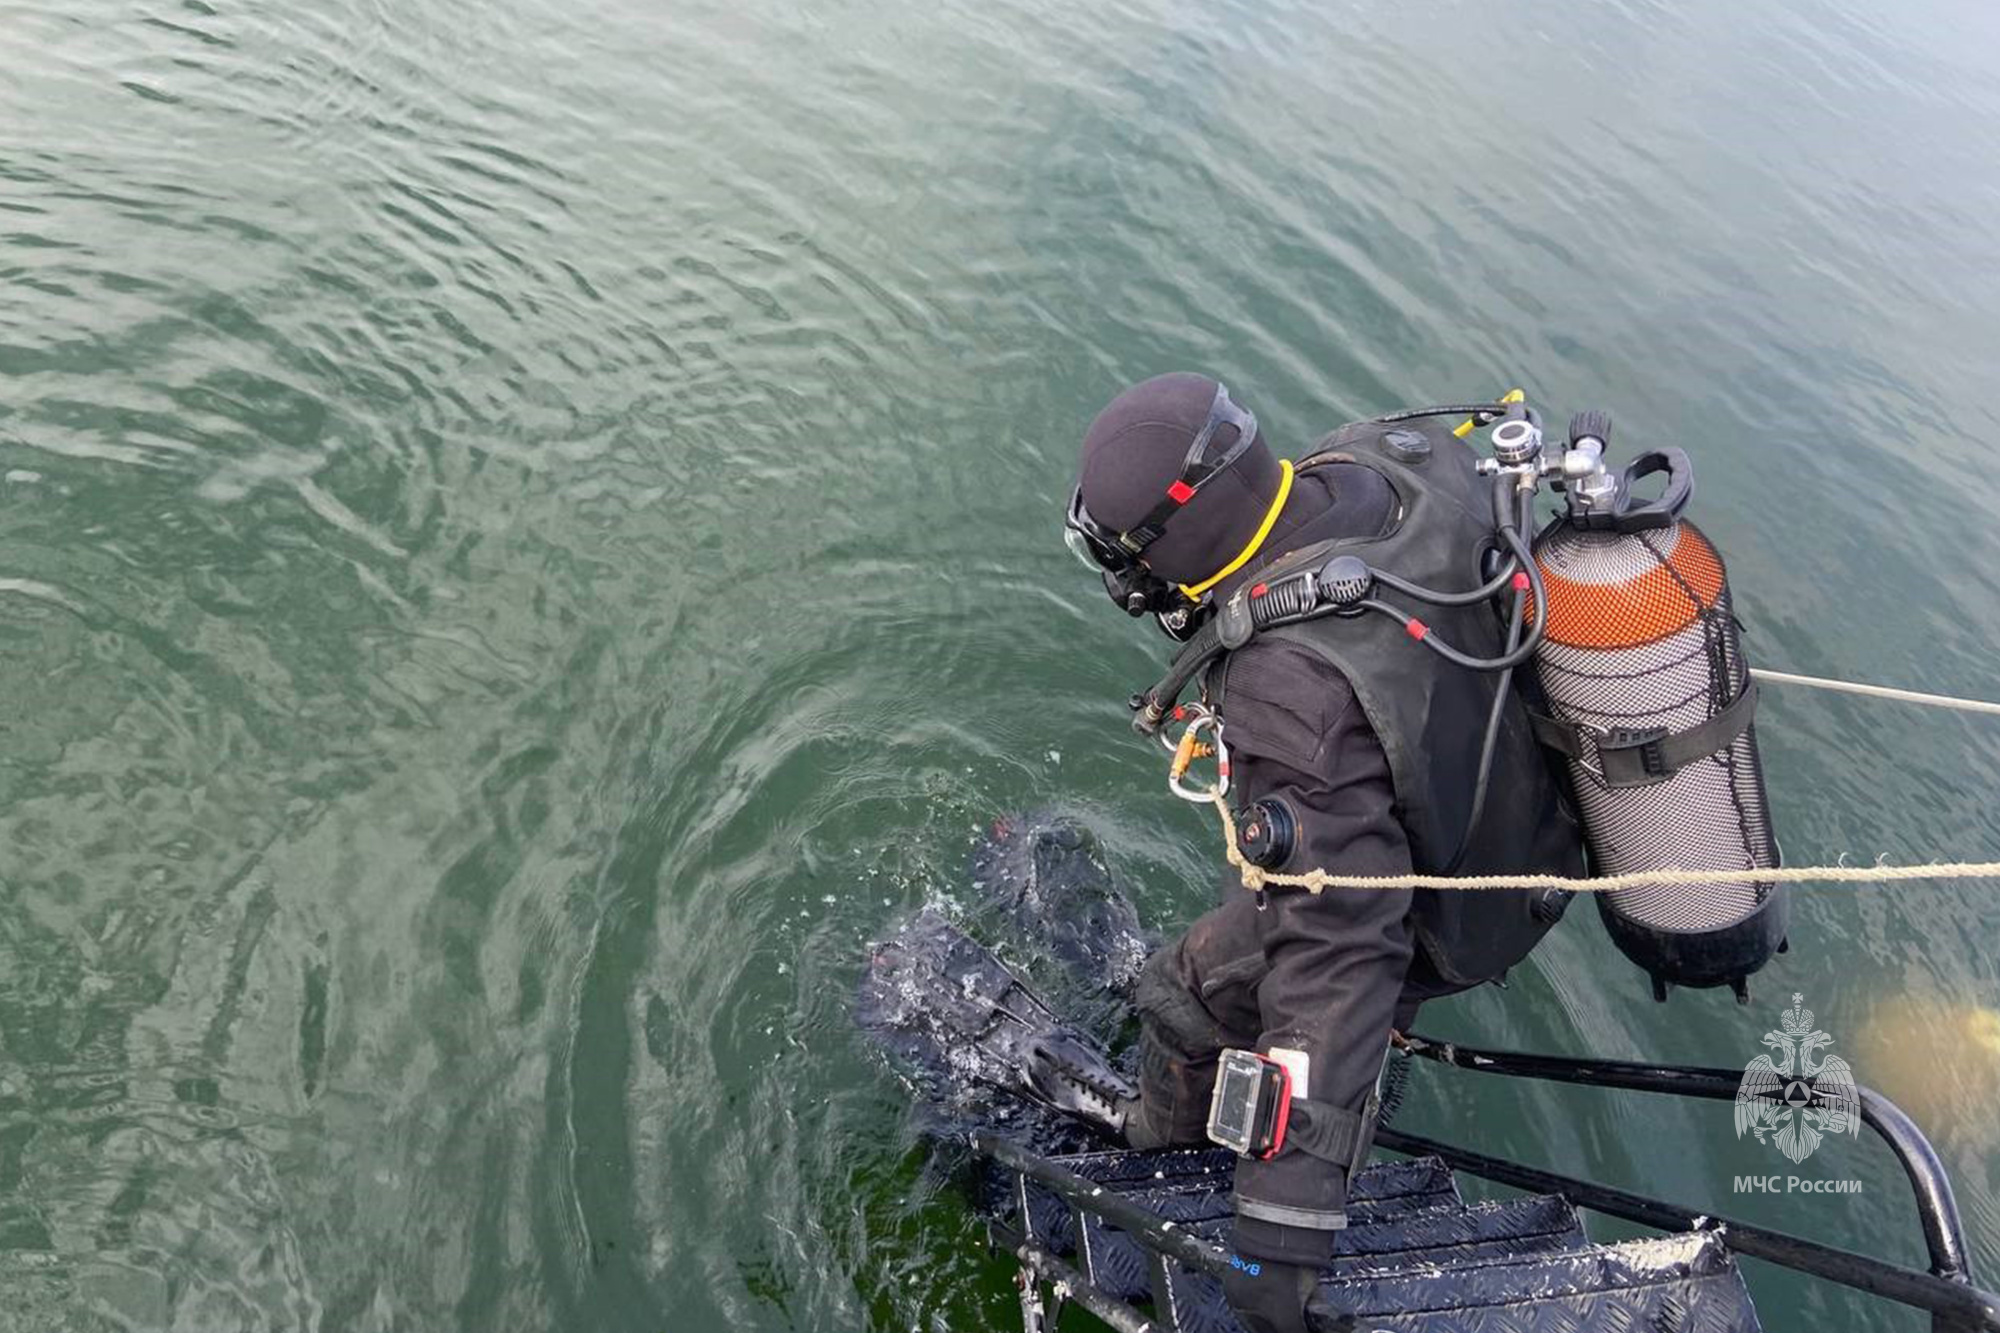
x=1629, y=515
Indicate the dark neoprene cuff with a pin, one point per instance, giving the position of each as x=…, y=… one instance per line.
x=1257, y=1239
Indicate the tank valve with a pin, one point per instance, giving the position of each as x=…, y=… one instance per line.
x=1590, y=432
x=1591, y=488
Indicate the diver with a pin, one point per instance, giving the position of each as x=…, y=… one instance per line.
x=1353, y=749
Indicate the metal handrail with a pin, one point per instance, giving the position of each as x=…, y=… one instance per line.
x=1955, y=1306
x=1937, y=1209
x=1038, y=1266
x=1091, y=1197
x=1946, y=1291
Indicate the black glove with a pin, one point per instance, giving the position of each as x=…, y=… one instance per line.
x=1268, y=1295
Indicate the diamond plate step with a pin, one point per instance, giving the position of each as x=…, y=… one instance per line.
x=1673, y=1284
x=1132, y=1169
x=1382, y=1190
x=1494, y=1282
x=1118, y=1265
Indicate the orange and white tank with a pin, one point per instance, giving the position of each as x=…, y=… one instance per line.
x=1640, y=664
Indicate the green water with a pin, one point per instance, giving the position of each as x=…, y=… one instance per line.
x=528, y=535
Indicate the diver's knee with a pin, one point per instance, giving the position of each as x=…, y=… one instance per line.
x=1171, y=1010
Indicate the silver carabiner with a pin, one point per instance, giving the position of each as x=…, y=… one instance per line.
x=1185, y=753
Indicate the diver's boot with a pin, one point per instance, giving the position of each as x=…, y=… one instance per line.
x=941, y=999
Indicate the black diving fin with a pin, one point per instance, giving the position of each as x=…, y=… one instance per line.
x=1045, y=875
x=942, y=1002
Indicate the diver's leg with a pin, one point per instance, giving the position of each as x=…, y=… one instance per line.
x=1195, y=998
x=1198, y=997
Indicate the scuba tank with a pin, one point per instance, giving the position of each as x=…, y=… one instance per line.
x=1649, y=697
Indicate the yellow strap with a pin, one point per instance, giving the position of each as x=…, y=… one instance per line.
x=1464, y=428
x=1192, y=592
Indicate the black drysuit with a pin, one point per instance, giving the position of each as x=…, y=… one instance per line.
x=1327, y=974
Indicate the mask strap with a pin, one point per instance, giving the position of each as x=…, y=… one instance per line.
x=1194, y=591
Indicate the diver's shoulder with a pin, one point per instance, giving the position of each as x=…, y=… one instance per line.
x=1274, y=684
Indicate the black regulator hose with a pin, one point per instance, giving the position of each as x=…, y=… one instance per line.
x=1150, y=709
x=1490, y=743
x=1516, y=655
x=1449, y=410
x=1492, y=588
x=1501, y=688
x=1503, y=505
x=1526, y=556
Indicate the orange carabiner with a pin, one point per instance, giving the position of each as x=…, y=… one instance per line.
x=1189, y=750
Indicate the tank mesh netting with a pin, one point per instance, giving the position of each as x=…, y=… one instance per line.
x=1641, y=635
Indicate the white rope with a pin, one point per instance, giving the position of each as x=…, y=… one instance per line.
x=1257, y=878
x=1877, y=691
x=1317, y=879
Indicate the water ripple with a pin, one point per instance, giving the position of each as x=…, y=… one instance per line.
x=530, y=535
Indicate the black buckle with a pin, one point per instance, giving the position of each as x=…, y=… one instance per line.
x=1646, y=740
x=1626, y=756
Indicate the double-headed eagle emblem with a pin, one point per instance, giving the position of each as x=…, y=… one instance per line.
x=1797, y=1100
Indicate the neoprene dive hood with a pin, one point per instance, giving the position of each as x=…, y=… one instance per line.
x=1176, y=489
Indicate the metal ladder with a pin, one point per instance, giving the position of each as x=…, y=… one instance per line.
x=1138, y=1239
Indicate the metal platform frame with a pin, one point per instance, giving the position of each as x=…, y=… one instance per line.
x=1946, y=1291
